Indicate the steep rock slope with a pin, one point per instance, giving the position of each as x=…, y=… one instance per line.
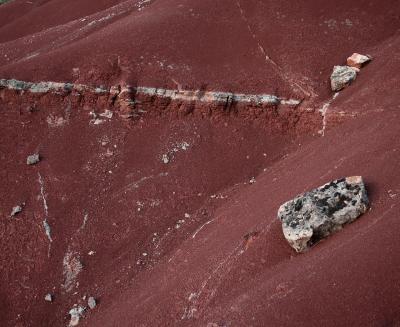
x=170, y=218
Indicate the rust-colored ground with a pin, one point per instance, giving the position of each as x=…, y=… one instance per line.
x=193, y=242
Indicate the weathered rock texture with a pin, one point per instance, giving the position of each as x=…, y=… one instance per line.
x=314, y=215
x=342, y=76
x=358, y=60
x=133, y=103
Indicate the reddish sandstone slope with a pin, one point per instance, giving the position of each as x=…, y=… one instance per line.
x=194, y=240
x=276, y=47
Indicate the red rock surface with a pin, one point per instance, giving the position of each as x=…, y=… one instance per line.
x=218, y=257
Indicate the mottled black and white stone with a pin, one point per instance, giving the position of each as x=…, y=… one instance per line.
x=342, y=76
x=314, y=215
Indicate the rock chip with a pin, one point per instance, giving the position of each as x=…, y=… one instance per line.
x=76, y=314
x=48, y=297
x=314, y=215
x=165, y=158
x=92, y=302
x=358, y=60
x=33, y=159
x=16, y=210
x=342, y=76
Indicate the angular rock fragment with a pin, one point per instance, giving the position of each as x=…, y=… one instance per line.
x=358, y=60
x=342, y=76
x=33, y=159
x=48, y=297
x=16, y=210
x=314, y=215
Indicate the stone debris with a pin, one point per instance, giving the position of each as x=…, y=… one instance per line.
x=311, y=216
x=76, y=313
x=92, y=302
x=342, y=76
x=16, y=210
x=33, y=159
x=165, y=158
x=48, y=297
x=358, y=60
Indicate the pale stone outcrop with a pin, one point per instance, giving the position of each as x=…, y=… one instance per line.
x=314, y=215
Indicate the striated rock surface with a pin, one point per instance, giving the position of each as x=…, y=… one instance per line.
x=358, y=60
x=342, y=76
x=314, y=215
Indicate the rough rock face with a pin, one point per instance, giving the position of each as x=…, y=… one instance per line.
x=342, y=76
x=357, y=60
x=314, y=215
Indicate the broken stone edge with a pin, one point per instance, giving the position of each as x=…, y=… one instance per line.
x=306, y=237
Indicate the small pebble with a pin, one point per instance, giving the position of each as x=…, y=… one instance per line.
x=165, y=158
x=92, y=302
x=33, y=159
x=48, y=297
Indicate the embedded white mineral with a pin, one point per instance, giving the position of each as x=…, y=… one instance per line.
x=314, y=215
x=342, y=76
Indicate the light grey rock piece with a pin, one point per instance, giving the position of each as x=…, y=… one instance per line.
x=314, y=215
x=16, y=210
x=33, y=159
x=48, y=297
x=342, y=76
x=92, y=302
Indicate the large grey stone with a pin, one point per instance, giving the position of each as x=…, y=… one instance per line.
x=314, y=215
x=342, y=76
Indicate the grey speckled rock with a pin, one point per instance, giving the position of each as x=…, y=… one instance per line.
x=342, y=76
x=314, y=215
